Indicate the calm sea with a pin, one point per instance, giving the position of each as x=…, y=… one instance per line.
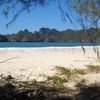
x=44, y=44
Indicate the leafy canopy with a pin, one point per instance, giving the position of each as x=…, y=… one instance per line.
x=87, y=11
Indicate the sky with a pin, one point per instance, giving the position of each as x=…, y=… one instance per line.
x=48, y=16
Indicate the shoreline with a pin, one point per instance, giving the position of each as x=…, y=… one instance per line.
x=48, y=47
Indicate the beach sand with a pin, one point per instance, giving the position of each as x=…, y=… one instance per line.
x=33, y=63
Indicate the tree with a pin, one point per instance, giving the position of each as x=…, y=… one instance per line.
x=87, y=15
x=3, y=38
x=19, y=6
x=87, y=11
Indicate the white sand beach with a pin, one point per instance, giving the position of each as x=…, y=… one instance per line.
x=31, y=63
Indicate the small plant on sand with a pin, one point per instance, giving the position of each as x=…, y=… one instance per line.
x=80, y=71
x=69, y=73
x=2, y=77
x=6, y=78
x=81, y=83
x=56, y=81
x=93, y=68
x=64, y=72
x=35, y=84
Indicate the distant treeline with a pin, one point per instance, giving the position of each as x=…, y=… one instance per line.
x=53, y=35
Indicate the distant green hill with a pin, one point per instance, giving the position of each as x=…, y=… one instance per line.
x=53, y=35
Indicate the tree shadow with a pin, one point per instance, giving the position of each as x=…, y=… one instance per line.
x=52, y=93
x=11, y=92
x=91, y=92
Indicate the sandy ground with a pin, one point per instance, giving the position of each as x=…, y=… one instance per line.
x=30, y=63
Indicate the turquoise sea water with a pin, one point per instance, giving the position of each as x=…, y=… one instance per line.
x=44, y=44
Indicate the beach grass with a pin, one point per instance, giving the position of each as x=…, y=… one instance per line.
x=53, y=86
x=56, y=81
x=93, y=68
x=69, y=73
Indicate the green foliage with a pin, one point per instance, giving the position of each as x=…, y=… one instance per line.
x=51, y=89
x=56, y=81
x=93, y=68
x=65, y=71
x=87, y=12
x=3, y=38
x=2, y=77
x=81, y=83
x=53, y=35
x=80, y=71
x=6, y=78
x=69, y=73
x=35, y=84
x=9, y=6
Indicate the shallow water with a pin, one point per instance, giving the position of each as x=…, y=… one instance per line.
x=45, y=44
